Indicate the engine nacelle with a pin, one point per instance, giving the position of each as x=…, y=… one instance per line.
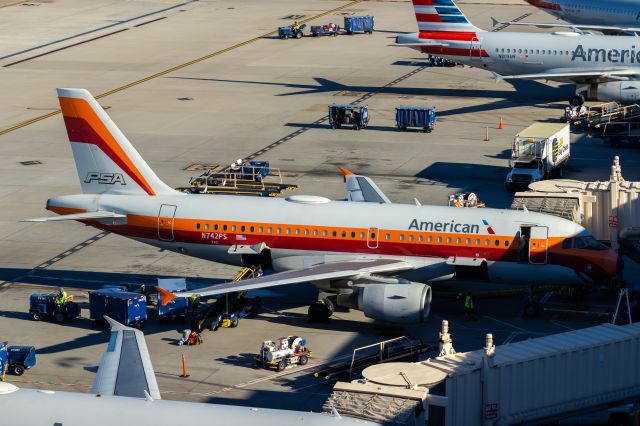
x=399, y=303
x=613, y=91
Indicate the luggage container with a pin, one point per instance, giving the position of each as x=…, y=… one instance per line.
x=176, y=308
x=20, y=358
x=3, y=360
x=127, y=308
x=330, y=29
x=416, y=117
x=355, y=115
x=354, y=24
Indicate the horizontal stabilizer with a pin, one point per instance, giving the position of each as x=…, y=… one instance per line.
x=78, y=216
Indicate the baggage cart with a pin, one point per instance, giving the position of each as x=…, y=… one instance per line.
x=127, y=308
x=354, y=24
x=423, y=118
x=330, y=29
x=355, y=115
x=20, y=358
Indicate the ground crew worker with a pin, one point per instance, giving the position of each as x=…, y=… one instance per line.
x=469, y=311
x=193, y=303
x=61, y=298
x=295, y=27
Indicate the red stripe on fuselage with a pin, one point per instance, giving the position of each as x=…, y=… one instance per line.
x=544, y=4
x=449, y=35
x=80, y=131
x=454, y=51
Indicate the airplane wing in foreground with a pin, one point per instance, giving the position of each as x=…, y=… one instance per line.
x=125, y=368
x=352, y=269
x=363, y=189
x=577, y=75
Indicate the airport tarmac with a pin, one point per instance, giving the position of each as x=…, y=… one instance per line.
x=208, y=82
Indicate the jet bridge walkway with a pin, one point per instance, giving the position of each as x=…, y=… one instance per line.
x=537, y=381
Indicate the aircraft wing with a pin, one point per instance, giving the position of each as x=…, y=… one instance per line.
x=611, y=28
x=352, y=269
x=125, y=368
x=578, y=75
x=363, y=189
x=79, y=216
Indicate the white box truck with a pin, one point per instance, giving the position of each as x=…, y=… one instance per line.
x=538, y=152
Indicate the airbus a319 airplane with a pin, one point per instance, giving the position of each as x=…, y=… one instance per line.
x=604, y=15
x=373, y=256
x=604, y=68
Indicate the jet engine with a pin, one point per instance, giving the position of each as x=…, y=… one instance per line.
x=408, y=302
x=614, y=91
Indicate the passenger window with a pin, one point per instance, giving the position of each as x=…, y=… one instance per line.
x=477, y=241
x=420, y=238
x=297, y=231
x=343, y=234
x=315, y=232
x=242, y=228
x=324, y=233
x=486, y=242
x=497, y=243
x=334, y=233
x=387, y=237
x=279, y=231
x=506, y=243
x=287, y=231
x=306, y=232
x=215, y=227
x=468, y=241
x=401, y=237
x=439, y=239
x=353, y=234
x=430, y=239
x=252, y=229
x=197, y=226
x=373, y=236
x=261, y=229
x=269, y=230
x=224, y=227
x=458, y=240
x=448, y=240
x=233, y=227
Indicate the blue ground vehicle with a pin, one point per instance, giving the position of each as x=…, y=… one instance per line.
x=44, y=306
x=20, y=358
x=127, y=308
x=288, y=32
x=417, y=117
x=330, y=29
x=176, y=309
x=354, y=24
x=355, y=115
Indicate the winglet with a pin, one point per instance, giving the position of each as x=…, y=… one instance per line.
x=497, y=77
x=167, y=296
x=345, y=172
x=495, y=22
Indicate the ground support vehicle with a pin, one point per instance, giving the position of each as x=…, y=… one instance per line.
x=284, y=352
x=538, y=152
x=465, y=199
x=17, y=359
x=127, y=308
x=175, y=309
x=423, y=118
x=330, y=29
x=256, y=178
x=437, y=61
x=289, y=32
x=225, y=312
x=353, y=24
x=355, y=115
x=596, y=116
x=44, y=306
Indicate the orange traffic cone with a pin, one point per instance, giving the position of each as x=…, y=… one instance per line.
x=500, y=124
x=184, y=367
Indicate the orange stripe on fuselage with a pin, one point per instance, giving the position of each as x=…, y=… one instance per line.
x=75, y=108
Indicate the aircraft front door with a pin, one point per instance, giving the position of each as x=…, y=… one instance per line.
x=166, y=217
x=372, y=238
x=538, y=245
x=475, y=49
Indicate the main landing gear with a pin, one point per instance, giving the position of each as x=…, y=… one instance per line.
x=321, y=310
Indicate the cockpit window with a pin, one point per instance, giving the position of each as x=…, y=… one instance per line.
x=588, y=243
x=566, y=243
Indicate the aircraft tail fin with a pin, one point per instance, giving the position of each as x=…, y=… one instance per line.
x=105, y=159
x=443, y=20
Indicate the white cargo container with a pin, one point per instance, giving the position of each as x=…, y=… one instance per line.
x=538, y=152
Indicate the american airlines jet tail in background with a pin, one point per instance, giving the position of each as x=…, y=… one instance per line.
x=605, y=15
x=373, y=256
x=604, y=68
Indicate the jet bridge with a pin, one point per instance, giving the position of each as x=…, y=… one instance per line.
x=530, y=382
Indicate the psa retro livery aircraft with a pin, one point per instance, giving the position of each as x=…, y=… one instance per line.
x=372, y=256
x=604, y=68
x=125, y=393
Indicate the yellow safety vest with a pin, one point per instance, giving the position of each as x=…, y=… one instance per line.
x=468, y=302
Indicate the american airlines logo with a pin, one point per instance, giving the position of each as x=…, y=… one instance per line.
x=453, y=226
x=615, y=56
x=105, y=178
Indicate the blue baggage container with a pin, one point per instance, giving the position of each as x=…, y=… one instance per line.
x=20, y=358
x=176, y=308
x=416, y=117
x=127, y=308
x=355, y=115
x=254, y=170
x=354, y=24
